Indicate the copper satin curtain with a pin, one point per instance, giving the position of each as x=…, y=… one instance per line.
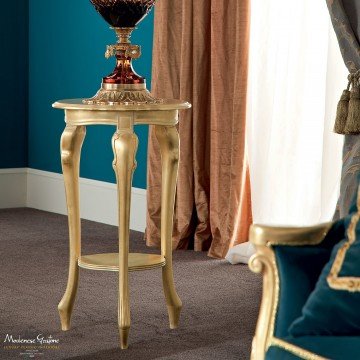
x=201, y=55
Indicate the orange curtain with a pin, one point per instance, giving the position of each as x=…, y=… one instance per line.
x=201, y=55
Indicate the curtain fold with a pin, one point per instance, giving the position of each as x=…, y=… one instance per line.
x=295, y=158
x=345, y=16
x=295, y=75
x=345, y=19
x=201, y=55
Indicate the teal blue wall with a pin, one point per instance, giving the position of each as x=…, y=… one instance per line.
x=67, y=41
x=14, y=83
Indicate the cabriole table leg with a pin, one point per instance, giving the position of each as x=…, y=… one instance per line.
x=71, y=143
x=125, y=145
x=168, y=139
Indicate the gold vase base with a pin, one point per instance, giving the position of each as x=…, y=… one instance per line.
x=114, y=94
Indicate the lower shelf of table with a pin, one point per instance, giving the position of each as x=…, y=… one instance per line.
x=110, y=262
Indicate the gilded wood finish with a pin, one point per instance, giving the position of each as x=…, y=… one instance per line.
x=346, y=283
x=77, y=104
x=125, y=144
x=296, y=350
x=164, y=116
x=168, y=139
x=110, y=262
x=264, y=261
x=71, y=143
x=292, y=236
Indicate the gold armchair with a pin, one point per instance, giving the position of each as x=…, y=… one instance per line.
x=265, y=238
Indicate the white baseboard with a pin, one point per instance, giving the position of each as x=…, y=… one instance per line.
x=45, y=191
x=12, y=188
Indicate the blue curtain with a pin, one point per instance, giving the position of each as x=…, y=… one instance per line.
x=345, y=16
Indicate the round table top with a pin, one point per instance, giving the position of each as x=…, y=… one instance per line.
x=77, y=104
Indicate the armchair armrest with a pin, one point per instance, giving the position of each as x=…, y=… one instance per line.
x=262, y=235
x=265, y=238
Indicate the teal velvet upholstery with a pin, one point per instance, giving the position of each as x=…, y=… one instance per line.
x=276, y=353
x=330, y=347
x=301, y=265
x=298, y=271
x=299, y=268
x=331, y=311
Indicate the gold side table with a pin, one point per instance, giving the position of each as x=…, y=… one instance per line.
x=164, y=117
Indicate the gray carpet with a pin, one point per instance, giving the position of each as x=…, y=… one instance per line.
x=220, y=301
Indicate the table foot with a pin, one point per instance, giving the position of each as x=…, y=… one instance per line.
x=66, y=304
x=124, y=338
x=174, y=316
x=173, y=302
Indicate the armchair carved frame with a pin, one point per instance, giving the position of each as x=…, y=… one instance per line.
x=264, y=238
